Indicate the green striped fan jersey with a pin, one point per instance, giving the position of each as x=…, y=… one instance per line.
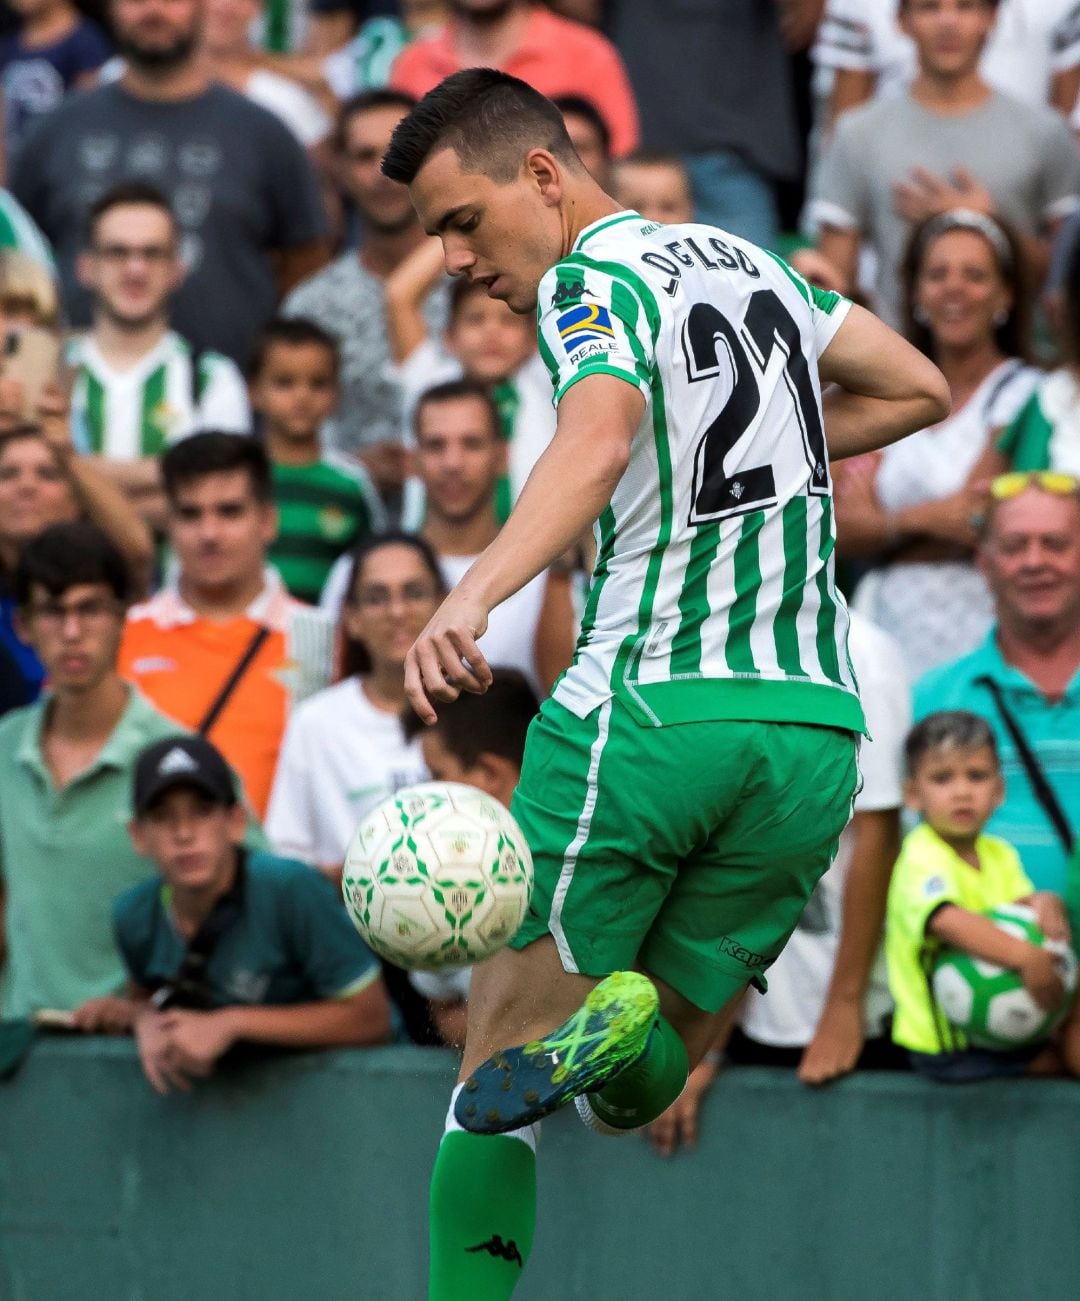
x=713, y=594
x=323, y=509
x=137, y=412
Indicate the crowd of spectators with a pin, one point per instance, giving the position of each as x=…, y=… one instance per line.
x=250, y=433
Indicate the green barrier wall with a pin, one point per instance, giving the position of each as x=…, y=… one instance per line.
x=307, y=1177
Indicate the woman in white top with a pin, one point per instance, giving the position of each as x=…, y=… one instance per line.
x=344, y=749
x=910, y=507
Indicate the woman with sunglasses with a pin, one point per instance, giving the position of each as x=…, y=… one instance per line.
x=909, y=509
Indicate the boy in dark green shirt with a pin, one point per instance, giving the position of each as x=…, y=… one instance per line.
x=326, y=504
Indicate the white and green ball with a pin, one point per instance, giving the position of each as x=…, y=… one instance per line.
x=438, y=875
x=989, y=1003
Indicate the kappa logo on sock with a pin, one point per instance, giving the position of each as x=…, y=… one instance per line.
x=500, y=1250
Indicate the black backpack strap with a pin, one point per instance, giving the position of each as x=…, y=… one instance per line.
x=233, y=680
x=190, y=987
x=1044, y=792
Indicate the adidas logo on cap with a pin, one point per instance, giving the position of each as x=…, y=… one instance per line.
x=177, y=760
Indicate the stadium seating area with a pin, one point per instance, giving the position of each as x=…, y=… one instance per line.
x=251, y=433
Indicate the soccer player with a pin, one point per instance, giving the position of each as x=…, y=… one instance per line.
x=684, y=787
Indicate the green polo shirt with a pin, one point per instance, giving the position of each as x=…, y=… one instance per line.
x=1052, y=728
x=64, y=857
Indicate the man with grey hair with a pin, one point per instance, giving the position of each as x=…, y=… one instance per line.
x=1025, y=678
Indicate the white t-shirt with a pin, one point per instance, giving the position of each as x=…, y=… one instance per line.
x=936, y=462
x=299, y=110
x=510, y=640
x=341, y=756
x=1031, y=42
x=787, y=1016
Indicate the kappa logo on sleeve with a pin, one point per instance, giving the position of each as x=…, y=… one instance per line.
x=566, y=291
x=585, y=323
x=933, y=887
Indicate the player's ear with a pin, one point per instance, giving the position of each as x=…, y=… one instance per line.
x=545, y=172
x=911, y=796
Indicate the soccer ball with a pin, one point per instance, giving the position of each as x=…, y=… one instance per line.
x=437, y=876
x=989, y=1003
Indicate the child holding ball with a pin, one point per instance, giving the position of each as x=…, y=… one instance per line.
x=948, y=874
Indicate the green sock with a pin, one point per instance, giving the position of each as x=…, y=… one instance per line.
x=483, y=1213
x=649, y=1085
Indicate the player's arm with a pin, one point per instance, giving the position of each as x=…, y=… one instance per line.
x=885, y=388
x=598, y=417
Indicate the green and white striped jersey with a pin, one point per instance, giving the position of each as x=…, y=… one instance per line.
x=127, y=414
x=713, y=594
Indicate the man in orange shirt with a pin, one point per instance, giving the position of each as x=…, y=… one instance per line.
x=554, y=55
x=223, y=649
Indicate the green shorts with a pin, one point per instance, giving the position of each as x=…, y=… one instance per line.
x=688, y=851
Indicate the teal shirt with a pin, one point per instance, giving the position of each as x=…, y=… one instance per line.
x=1051, y=727
x=64, y=857
x=292, y=943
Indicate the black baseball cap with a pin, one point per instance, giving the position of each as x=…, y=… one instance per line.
x=181, y=761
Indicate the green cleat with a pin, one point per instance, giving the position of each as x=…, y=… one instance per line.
x=521, y=1085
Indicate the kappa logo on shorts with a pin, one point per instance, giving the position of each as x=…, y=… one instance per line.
x=746, y=957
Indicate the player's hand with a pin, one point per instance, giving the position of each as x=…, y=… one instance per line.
x=1051, y=915
x=159, y=1062
x=679, y=1123
x=836, y=1045
x=1041, y=978
x=198, y=1039
x=104, y=1016
x=445, y=660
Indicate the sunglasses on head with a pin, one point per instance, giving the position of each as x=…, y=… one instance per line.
x=1006, y=486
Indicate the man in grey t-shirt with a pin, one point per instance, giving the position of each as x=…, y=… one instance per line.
x=245, y=197
x=347, y=298
x=948, y=141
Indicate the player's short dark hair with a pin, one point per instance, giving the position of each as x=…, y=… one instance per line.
x=70, y=555
x=581, y=107
x=453, y=391
x=356, y=657
x=494, y=723
x=292, y=332
x=365, y=102
x=214, y=452
x=948, y=729
x=127, y=194
x=490, y=119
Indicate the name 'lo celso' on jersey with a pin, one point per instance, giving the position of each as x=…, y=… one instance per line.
x=713, y=594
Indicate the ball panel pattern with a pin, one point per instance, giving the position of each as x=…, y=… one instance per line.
x=438, y=875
